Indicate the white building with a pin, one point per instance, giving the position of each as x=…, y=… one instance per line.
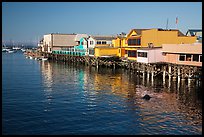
x=57, y=41
x=150, y=55
x=99, y=41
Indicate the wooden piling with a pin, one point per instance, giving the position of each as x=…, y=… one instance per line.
x=169, y=72
x=164, y=73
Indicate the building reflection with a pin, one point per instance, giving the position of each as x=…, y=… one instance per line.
x=177, y=100
x=47, y=69
x=108, y=80
x=47, y=80
x=182, y=99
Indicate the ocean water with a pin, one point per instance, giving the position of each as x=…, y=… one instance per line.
x=57, y=98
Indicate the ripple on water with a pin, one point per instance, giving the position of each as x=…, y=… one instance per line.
x=57, y=98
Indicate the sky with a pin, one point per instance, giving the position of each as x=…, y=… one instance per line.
x=29, y=21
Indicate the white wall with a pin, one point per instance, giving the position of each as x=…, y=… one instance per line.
x=108, y=42
x=142, y=59
x=94, y=42
x=47, y=42
x=153, y=56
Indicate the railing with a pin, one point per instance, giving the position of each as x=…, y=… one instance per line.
x=73, y=53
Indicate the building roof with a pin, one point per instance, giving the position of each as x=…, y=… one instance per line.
x=195, y=48
x=103, y=37
x=149, y=48
x=191, y=31
x=61, y=34
x=64, y=40
x=139, y=31
x=179, y=32
x=79, y=36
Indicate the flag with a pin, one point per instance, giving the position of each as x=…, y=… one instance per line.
x=176, y=20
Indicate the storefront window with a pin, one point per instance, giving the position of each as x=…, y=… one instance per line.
x=182, y=57
x=188, y=57
x=196, y=57
x=132, y=53
x=142, y=54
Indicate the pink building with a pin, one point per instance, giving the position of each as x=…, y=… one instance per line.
x=183, y=54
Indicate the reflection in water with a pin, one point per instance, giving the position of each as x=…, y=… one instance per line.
x=47, y=73
x=175, y=107
x=47, y=70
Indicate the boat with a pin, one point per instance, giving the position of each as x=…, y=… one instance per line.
x=10, y=51
x=30, y=57
x=4, y=50
x=23, y=50
x=44, y=59
x=16, y=48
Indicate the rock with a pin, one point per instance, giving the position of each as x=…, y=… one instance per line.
x=146, y=97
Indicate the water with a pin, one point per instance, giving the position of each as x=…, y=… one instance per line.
x=45, y=97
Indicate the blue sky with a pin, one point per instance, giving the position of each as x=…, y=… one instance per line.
x=29, y=21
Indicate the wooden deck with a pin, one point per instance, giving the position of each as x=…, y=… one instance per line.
x=173, y=72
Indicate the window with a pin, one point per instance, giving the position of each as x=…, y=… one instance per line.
x=142, y=54
x=196, y=57
x=188, y=57
x=200, y=58
x=98, y=42
x=91, y=42
x=132, y=53
x=138, y=41
x=103, y=42
x=131, y=41
x=126, y=51
x=134, y=41
x=182, y=57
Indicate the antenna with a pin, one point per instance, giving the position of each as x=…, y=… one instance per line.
x=167, y=23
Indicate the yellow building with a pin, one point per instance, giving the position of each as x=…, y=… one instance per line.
x=120, y=43
x=138, y=38
x=106, y=51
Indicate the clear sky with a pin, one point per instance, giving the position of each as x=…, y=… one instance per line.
x=29, y=21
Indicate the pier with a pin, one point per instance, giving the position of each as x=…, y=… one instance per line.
x=172, y=72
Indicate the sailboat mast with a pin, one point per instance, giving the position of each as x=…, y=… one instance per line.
x=167, y=23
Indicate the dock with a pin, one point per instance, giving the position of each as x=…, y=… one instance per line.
x=172, y=72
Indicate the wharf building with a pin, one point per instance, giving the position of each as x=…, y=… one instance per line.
x=141, y=49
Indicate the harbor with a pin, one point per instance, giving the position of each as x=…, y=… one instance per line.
x=72, y=97
x=102, y=68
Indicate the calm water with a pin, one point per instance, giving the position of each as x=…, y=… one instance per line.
x=56, y=98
